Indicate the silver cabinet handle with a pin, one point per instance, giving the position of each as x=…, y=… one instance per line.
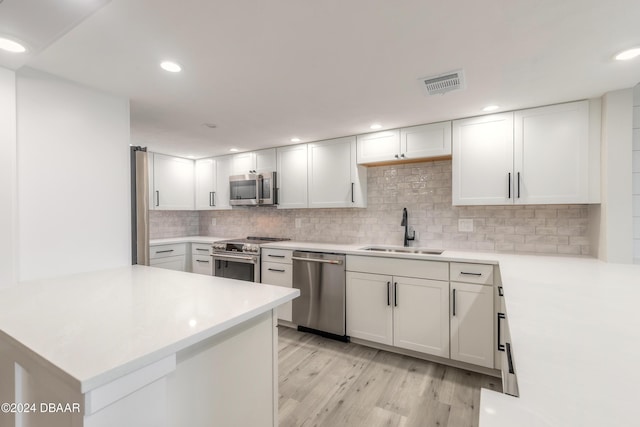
x=275, y=256
x=323, y=261
x=200, y=249
x=509, y=185
x=454, y=302
x=501, y=316
x=464, y=273
x=352, y=195
x=276, y=269
x=518, y=185
x=212, y=198
x=395, y=294
x=164, y=252
x=388, y=293
x=157, y=197
x=199, y=260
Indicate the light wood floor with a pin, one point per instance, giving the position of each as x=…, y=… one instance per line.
x=328, y=383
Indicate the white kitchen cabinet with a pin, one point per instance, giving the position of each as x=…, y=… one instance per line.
x=410, y=144
x=335, y=179
x=277, y=270
x=292, y=176
x=482, y=163
x=201, y=262
x=378, y=146
x=254, y=162
x=472, y=317
x=171, y=257
x=220, y=198
x=205, y=184
x=369, y=307
x=400, y=311
x=173, y=183
x=432, y=140
x=421, y=315
x=535, y=156
x=551, y=156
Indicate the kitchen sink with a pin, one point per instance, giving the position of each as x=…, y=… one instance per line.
x=404, y=250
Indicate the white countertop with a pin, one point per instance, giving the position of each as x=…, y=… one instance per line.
x=95, y=327
x=575, y=330
x=186, y=239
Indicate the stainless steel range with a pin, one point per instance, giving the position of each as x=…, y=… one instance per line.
x=239, y=258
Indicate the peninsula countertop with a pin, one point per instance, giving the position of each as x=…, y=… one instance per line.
x=91, y=328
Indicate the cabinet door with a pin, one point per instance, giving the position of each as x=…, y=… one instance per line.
x=483, y=160
x=552, y=154
x=205, y=183
x=266, y=160
x=221, y=195
x=358, y=180
x=278, y=274
x=379, y=146
x=421, y=315
x=243, y=163
x=173, y=180
x=292, y=176
x=201, y=264
x=330, y=173
x=433, y=140
x=152, y=193
x=170, y=263
x=472, y=324
x=369, y=307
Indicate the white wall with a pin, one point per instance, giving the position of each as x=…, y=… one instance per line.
x=636, y=174
x=73, y=177
x=7, y=178
x=616, y=243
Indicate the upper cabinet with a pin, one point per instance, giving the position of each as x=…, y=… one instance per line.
x=536, y=156
x=253, y=162
x=292, y=176
x=212, y=183
x=407, y=144
x=173, y=183
x=334, y=178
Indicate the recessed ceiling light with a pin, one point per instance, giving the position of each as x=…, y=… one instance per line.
x=170, y=66
x=233, y=150
x=491, y=108
x=376, y=126
x=295, y=139
x=628, y=54
x=11, y=46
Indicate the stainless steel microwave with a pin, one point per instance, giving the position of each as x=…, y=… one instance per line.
x=253, y=189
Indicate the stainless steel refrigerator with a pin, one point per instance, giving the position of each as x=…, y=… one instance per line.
x=139, y=206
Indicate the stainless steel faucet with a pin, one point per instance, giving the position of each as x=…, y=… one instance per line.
x=405, y=224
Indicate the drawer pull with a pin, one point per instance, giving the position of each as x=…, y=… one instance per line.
x=276, y=269
x=200, y=249
x=464, y=273
x=454, y=302
x=164, y=252
x=275, y=256
x=199, y=260
x=501, y=316
x=510, y=359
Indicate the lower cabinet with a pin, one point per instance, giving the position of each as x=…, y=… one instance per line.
x=201, y=262
x=399, y=311
x=472, y=324
x=171, y=257
x=278, y=272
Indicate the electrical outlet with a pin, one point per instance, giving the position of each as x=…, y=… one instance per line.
x=465, y=225
x=213, y=222
x=298, y=222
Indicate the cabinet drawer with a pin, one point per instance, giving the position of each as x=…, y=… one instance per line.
x=201, y=264
x=163, y=251
x=277, y=255
x=170, y=262
x=200, y=248
x=274, y=273
x=435, y=270
x=472, y=273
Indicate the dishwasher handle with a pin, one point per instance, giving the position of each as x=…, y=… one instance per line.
x=323, y=261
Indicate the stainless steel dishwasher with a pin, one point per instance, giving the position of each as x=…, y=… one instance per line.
x=321, y=279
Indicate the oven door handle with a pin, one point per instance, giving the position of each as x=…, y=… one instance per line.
x=235, y=258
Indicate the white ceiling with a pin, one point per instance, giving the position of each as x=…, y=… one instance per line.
x=266, y=71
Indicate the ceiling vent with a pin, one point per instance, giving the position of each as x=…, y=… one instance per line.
x=443, y=83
